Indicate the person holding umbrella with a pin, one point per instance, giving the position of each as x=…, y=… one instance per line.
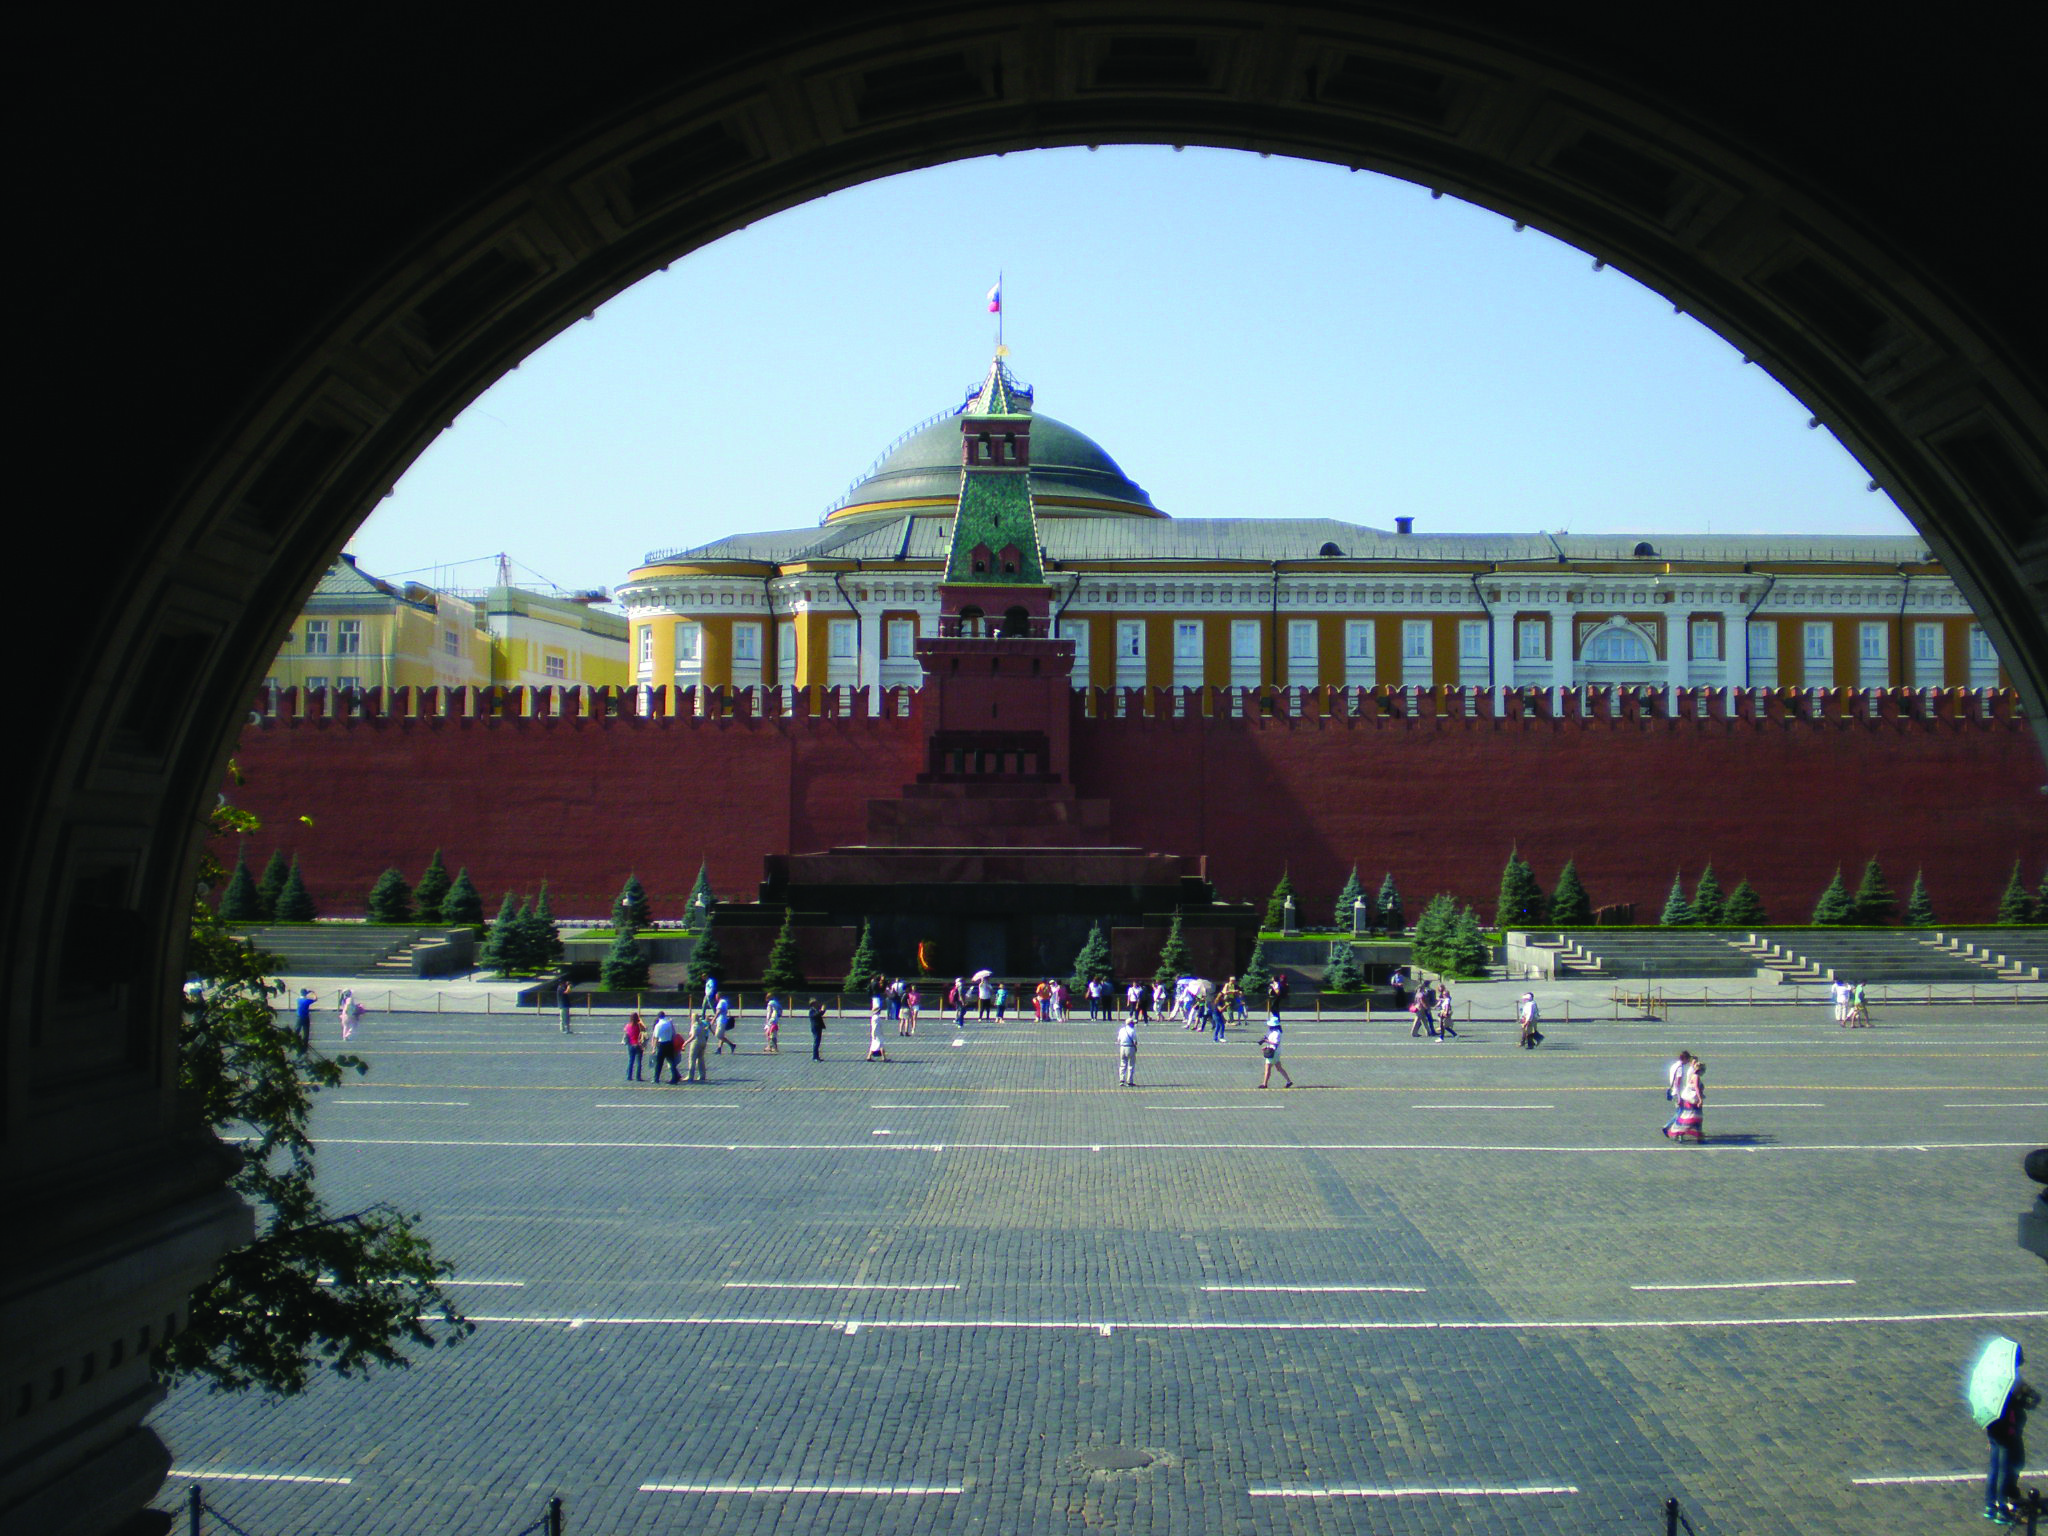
x=1999, y=1401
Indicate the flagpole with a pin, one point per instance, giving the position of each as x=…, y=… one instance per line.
x=999, y=309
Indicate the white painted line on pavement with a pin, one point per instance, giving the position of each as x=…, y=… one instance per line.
x=1450, y=1325
x=210, y=1476
x=1209, y=1109
x=1321, y=1290
x=829, y=1285
x=1769, y=1105
x=666, y=1104
x=1996, y=1106
x=1931, y=1477
x=1482, y=1106
x=938, y=1106
x=511, y=1284
x=1739, y=1285
x=1451, y=1491
x=1639, y=1150
x=423, y=1103
x=861, y=1490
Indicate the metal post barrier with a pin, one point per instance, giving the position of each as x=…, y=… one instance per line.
x=555, y=1515
x=195, y=1510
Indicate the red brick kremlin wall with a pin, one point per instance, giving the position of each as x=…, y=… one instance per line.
x=1951, y=785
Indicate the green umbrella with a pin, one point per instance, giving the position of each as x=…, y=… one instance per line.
x=1991, y=1378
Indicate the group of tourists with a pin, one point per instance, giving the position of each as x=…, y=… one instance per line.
x=1685, y=1086
x=1852, y=1007
x=1432, y=1010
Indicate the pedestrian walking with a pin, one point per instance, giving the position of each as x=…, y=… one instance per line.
x=1690, y=1123
x=564, y=997
x=721, y=1013
x=817, y=1016
x=1399, y=982
x=984, y=997
x=1530, y=1016
x=2008, y=1450
x=303, y=1006
x=1270, y=1049
x=1674, y=1076
x=771, y=1026
x=875, y=1051
x=1127, y=1055
x=1217, y=1023
x=1444, y=1011
x=1002, y=1000
x=350, y=1011
x=635, y=1036
x=664, y=1034
x=1859, y=1007
x=910, y=1002
x=1423, y=1009
x=958, y=998
x=699, y=1039
x=1844, y=997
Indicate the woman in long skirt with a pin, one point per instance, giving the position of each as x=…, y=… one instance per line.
x=1690, y=1123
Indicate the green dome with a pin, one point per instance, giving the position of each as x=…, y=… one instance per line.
x=1066, y=465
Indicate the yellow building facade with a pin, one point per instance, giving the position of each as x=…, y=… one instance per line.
x=1154, y=601
x=359, y=632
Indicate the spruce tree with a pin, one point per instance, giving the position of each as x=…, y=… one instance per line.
x=1174, y=960
x=1709, y=906
x=1342, y=974
x=625, y=963
x=631, y=912
x=1919, y=909
x=1347, y=900
x=1677, y=910
x=1276, y=904
x=1432, y=939
x=2014, y=904
x=1257, y=977
x=1569, y=903
x=295, y=902
x=463, y=906
x=1521, y=903
x=543, y=939
x=1093, y=959
x=390, y=899
x=698, y=912
x=241, y=902
x=432, y=891
x=1744, y=910
x=2041, y=899
x=781, y=975
x=275, y=874
x=1387, y=908
x=1467, y=947
x=1834, y=909
x=706, y=960
x=862, y=968
x=1874, y=901
x=501, y=946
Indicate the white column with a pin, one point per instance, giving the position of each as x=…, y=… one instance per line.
x=1561, y=644
x=1735, y=639
x=1678, y=649
x=869, y=658
x=1503, y=646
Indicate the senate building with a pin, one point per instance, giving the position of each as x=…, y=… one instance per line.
x=1150, y=600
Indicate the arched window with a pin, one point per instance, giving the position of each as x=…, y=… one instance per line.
x=1016, y=621
x=970, y=621
x=1622, y=646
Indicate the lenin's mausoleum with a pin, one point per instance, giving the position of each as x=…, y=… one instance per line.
x=999, y=687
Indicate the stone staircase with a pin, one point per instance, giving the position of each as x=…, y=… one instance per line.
x=2020, y=955
x=1774, y=957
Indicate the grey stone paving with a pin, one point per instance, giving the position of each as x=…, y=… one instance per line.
x=987, y=1268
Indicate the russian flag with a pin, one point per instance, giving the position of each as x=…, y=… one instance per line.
x=995, y=298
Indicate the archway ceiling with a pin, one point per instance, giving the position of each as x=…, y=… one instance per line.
x=284, y=263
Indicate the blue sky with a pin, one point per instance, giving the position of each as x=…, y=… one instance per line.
x=1247, y=337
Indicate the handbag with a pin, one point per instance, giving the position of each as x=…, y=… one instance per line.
x=1266, y=1051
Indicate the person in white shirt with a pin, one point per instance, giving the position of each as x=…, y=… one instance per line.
x=1127, y=1054
x=1674, y=1075
x=1270, y=1049
x=1845, y=999
x=1528, y=1013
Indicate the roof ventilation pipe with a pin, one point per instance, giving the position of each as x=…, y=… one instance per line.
x=1404, y=525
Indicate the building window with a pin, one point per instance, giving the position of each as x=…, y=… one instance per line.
x=1301, y=642
x=1927, y=644
x=346, y=684
x=1187, y=643
x=785, y=650
x=646, y=647
x=1472, y=639
x=1130, y=641
x=1706, y=640
x=1870, y=642
x=1980, y=646
x=316, y=685
x=1532, y=640
x=746, y=643
x=316, y=637
x=451, y=642
x=899, y=639
x=348, y=637
x=1358, y=639
x=555, y=667
x=689, y=644
x=1415, y=645
x=1618, y=646
x=1820, y=642
x=1763, y=642
x=841, y=640
x=1244, y=640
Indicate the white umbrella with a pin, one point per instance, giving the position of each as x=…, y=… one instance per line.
x=981, y=975
x=1996, y=1368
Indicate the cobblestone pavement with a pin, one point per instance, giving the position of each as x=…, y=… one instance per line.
x=1434, y=1288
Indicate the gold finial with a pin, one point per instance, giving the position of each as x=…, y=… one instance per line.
x=1002, y=351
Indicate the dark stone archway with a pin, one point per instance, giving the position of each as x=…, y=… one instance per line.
x=273, y=267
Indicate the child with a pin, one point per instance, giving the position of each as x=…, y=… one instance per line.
x=771, y=1026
